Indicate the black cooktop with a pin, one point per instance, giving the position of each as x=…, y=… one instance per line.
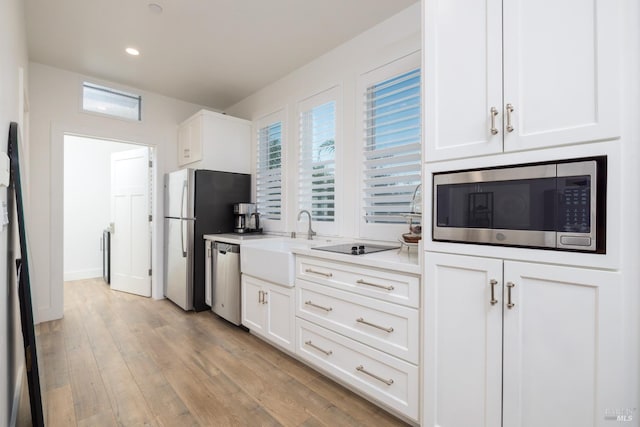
x=355, y=248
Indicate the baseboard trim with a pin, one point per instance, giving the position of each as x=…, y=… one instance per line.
x=17, y=394
x=82, y=274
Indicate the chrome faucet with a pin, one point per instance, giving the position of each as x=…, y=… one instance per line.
x=310, y=232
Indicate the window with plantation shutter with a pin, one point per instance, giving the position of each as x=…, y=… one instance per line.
x=392, y=147
x=269, y=170
x=317, y=161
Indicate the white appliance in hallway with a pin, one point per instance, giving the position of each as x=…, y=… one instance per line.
x=131, y=226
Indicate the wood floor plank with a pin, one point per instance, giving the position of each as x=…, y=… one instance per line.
x=53, y=359
x=59, y=408
x=127, y=401
x=119, y=359
x=359, y=408
x=89, y=394
x=202, y=404
x=161, y=398
x=102, y=419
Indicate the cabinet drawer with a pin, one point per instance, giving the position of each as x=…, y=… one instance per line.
x=382, y=284
x=390, y=381
x=388, y=327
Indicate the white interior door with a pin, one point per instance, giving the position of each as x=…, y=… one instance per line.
x=131, y=233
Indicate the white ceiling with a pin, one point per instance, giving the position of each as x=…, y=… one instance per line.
x=209, y=52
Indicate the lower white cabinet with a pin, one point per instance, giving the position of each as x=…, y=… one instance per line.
x=520, y=344
x=268, y=310
x=362, y=326
x=385, y=326
x=386, y=378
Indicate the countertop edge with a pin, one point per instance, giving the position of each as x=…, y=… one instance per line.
x=387, y=260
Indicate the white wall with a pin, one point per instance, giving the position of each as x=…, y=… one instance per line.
x=87, y=204
x=630, y=203
x=55, y=110
x=13, y=58
x=392, y=39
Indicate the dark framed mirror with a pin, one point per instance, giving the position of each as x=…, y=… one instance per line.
x=15, y=195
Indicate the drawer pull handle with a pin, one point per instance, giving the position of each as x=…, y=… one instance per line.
x=510, y=110
x=364, y=371
x=312, y=345
x=363, y=282
x=493, y=284
x=327, y=309
x=322, y=273
x=382, y=328
x=494, y=113
x=510, y=304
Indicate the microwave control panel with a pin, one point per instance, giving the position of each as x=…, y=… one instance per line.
x=574, y=213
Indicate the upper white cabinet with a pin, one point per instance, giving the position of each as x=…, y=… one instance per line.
x=215, y=141
x=519, y=74
x=190, y=140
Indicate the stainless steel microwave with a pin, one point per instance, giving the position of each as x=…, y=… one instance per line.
x=558, y=205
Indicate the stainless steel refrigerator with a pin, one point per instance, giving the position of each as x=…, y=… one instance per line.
x=197, y=202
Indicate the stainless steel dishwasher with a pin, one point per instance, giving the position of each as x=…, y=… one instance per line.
x=225, y=290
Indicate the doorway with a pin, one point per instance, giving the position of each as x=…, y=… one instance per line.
x=95, y=200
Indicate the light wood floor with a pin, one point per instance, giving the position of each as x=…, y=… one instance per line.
x=119, y=359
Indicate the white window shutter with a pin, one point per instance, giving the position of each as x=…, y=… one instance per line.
x=269, y=171
x=392, y=147
x=317, y=162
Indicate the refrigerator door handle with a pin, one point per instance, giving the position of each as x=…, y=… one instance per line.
x=183, y=213
x=182, y=244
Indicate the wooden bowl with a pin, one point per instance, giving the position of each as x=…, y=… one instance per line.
x=411, y=238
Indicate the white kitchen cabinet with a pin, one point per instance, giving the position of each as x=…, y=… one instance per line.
x=540, y=349
x=350, y=316
x=268, y=310
x=190, y=140
x=387, y=379
x=376, y=283
x=388, y=327
x=519, y=74
x=215, y=141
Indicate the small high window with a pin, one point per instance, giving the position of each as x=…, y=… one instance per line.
x=112, y=102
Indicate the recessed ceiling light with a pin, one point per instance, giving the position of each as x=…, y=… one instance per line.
x=155, y=8
x=132, y=51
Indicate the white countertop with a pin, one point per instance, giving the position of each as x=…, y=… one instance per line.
x=405, y=261
x=237, y=238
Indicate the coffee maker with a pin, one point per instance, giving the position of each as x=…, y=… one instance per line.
x=247, y=220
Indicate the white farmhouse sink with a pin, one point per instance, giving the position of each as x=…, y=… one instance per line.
x=272, y=259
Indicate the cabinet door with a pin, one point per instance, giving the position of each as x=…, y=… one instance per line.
x=561, y=346
x=195, y=138
x=184, y=144
x=280, y=317
x=462, y=78
x=190, y=140
x=253, y=311
x=462, y=341
x=561, y=71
